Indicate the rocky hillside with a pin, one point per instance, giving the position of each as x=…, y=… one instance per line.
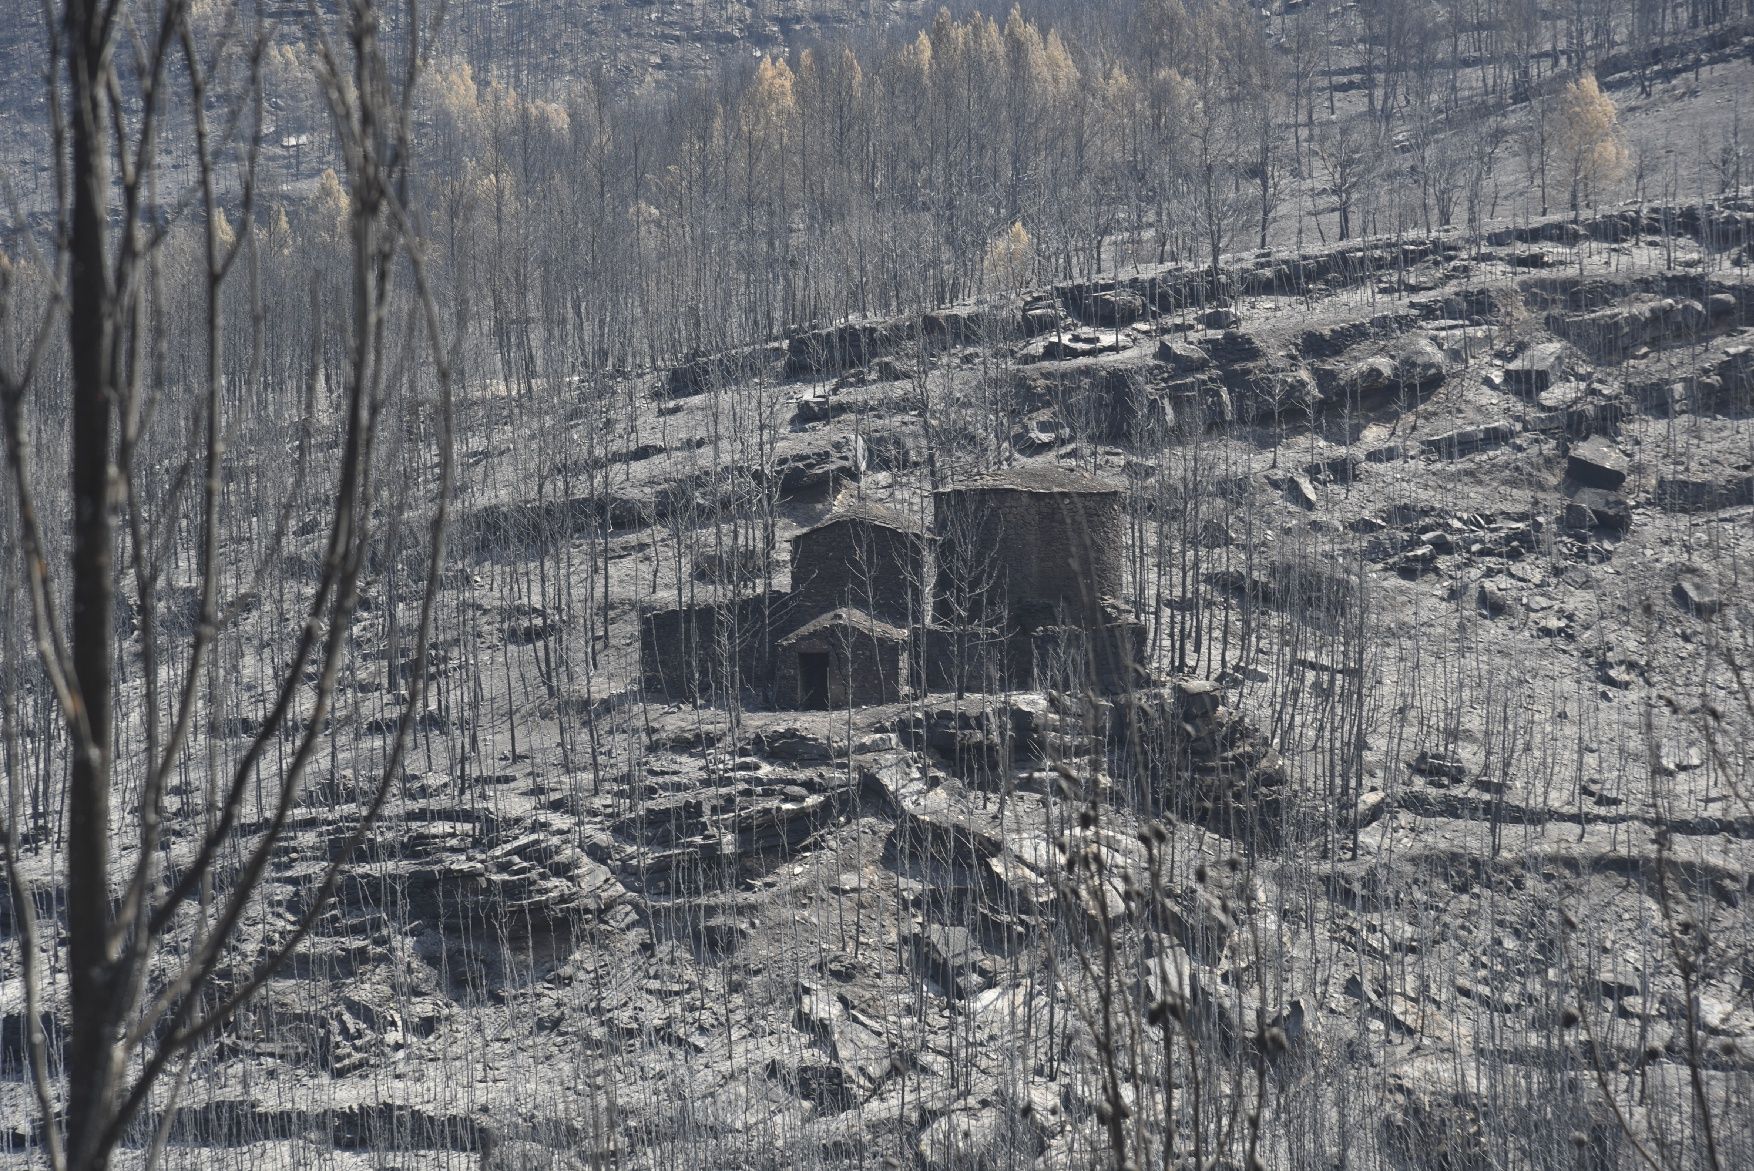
x=1427, y=845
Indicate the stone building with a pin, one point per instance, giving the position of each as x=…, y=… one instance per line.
x=1025, y=567
x=862, y=556
x=1108, y=657
x=691, y=652
x=1028, y=547
x=861, y=561
x=844, y=657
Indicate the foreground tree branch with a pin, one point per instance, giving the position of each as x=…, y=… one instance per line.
x=140, y=972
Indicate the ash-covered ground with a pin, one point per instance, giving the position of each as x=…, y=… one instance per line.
x=1423, y=838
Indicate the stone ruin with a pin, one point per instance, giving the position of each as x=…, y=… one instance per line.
x=1031, y=558
x=1014, y=588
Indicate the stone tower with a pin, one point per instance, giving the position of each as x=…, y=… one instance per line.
x=1027, y=547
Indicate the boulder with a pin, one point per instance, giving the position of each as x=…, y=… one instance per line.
x=1081, y=344
x=1616, y=329
x=1038, y=435
x=813, y=406
x=1196, y=700
x=1726, y=384
x=1596, y=463
x=1183, y=357
x=792, y=744
x=1268, y=390
x=1592, y=509
x=1697, y=596
x=815, y=471
x=1369, y=378
x=1620, y=667
x=1468, y=440
x=704, y=372
x=1535, y=258
x=1705, y=494
x=1299, y=491
x=1439, y=766
x=1538, y=368
x=966, y=325
x=936, y=825
x=895, y=449
x=1221, y=318
x=1114, y=309
x=1330, y=341
x=1419, y=364
x=1041, y=319
x=1487, y=303
x=972, y=1136
x=1430, y=1124
x=1390, y=453
x=1234, y=348
x=1412, y=365
x=1339, y=469
x=952, y=957
x=889, y=370
x=826, y=351
x=1493, y=601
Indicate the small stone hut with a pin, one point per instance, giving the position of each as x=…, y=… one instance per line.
x=861, y=556
x=1031, y=546
x=844, y=657
x=690, y=652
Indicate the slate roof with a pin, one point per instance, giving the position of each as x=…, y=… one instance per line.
x=870, y=513
x=1038, y=477
x=847, y=616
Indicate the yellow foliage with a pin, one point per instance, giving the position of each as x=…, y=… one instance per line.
x=1118, y=90
x=916, y=58
x=1062, y=71
x=277, y=234
x=852, y=71
x=550, y=116
x=986, y=44
x=491, y=187
x=1174, y=92
x=286, y=63
x=451, y=86
x=770, y=105
x=208, y=18
x=489, y=109
x=332, y=206
x=223, y=231
x=1011, y=255
x=949, y=39
x=1591, y=145
x=772, y=95
x=1026, y=55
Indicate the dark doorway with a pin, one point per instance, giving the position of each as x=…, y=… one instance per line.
x=812, y=679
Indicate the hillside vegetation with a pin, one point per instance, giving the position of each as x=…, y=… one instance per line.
x=507, y=658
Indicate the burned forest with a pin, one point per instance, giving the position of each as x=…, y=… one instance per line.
x=852, y=583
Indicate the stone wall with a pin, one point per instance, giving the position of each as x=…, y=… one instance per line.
x=696, y=651
x=869, y=564
x=966, y=659
x=867, y=663
x=1031, y=547
x=1106, y=659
